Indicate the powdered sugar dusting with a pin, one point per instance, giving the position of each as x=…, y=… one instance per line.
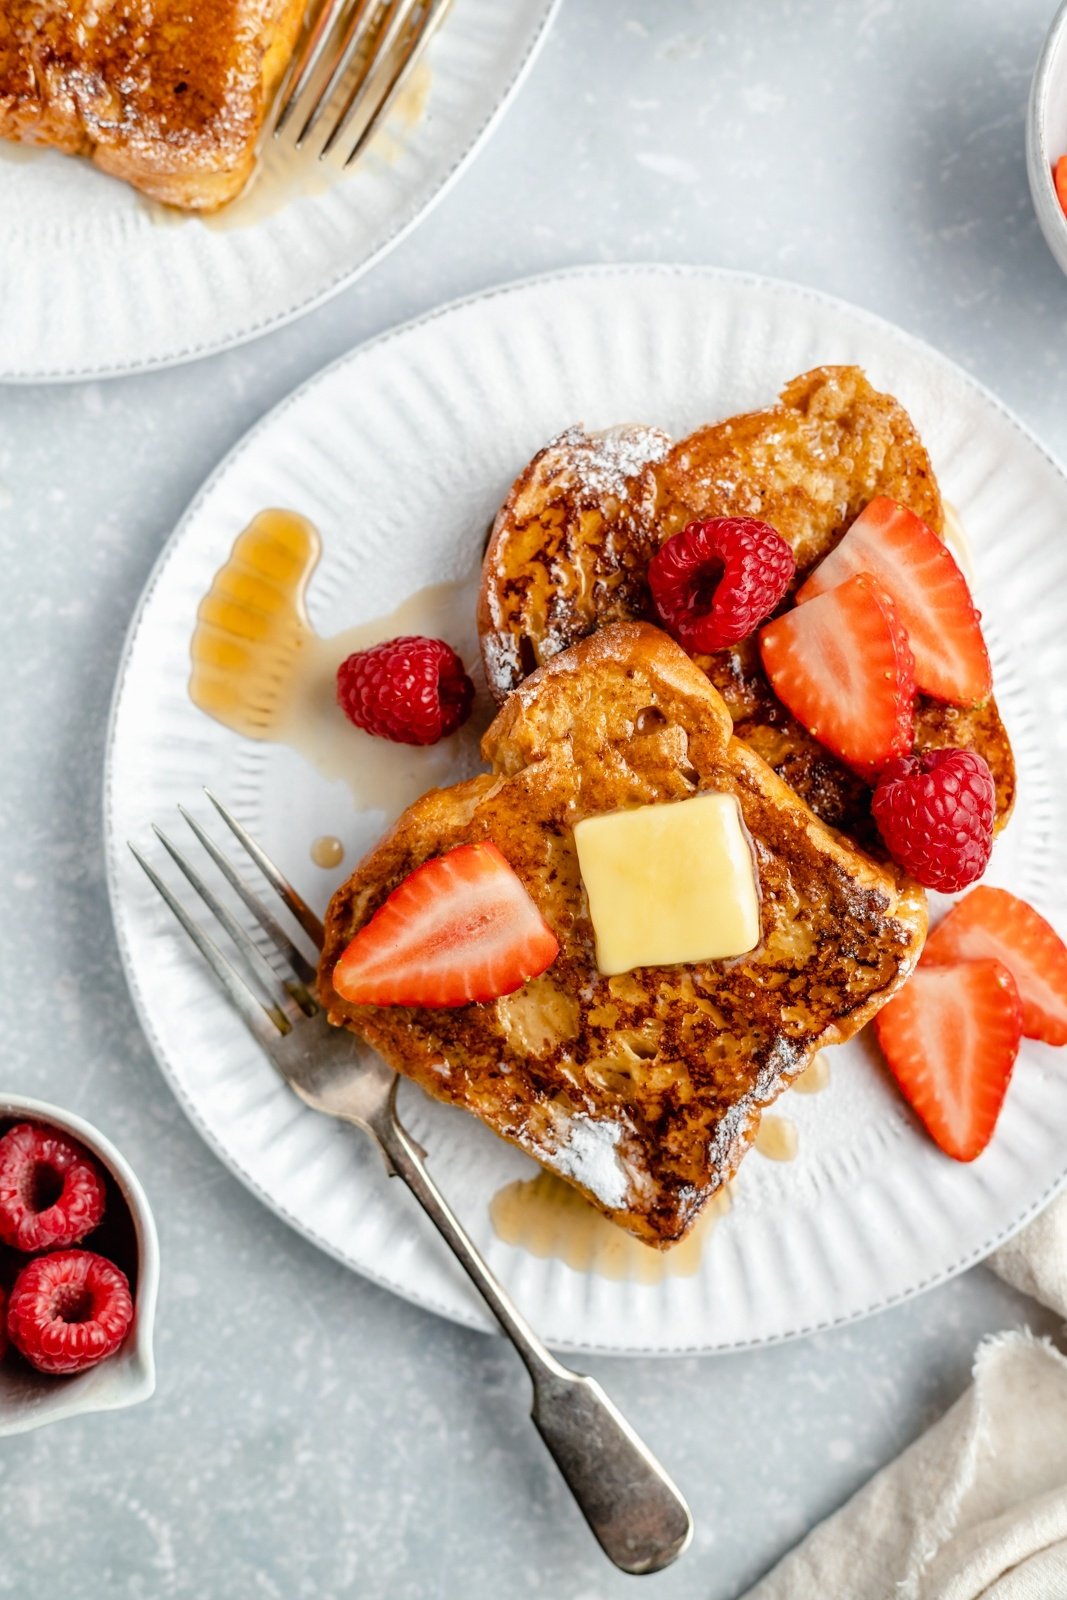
x=602, y=464
x=588, y=1153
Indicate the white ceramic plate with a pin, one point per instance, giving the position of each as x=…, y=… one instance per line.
x=101, y=281
x=401, y=452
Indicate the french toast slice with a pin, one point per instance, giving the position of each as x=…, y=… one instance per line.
x=169, y=96
x=807, y=465
x=645, y=1089
x=569, y=549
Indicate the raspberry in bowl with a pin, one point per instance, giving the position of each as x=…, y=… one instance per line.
x=79, y=1270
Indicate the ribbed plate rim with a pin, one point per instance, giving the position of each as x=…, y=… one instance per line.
x=577, y=274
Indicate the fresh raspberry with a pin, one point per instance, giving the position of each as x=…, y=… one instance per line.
x=935, y=813
x=3, y=1324
x=51, y=1191
x=69, y=1310
x=411, y=690
x=716, y=581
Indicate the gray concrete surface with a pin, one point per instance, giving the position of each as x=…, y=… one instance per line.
x=311, y=1436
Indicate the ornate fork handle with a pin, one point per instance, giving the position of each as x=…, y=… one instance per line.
x=638, y=1516
x=632, y=1507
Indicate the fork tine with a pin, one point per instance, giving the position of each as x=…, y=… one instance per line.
x=274, y=930
x=265, y=1022
x=307, y=61
x=409, y=55
x=281, y=886
x=358, y=28
x=274, y=988
x=395, y=17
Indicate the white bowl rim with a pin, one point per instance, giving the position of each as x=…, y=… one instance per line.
x=136, y=1362
x=1050, y=214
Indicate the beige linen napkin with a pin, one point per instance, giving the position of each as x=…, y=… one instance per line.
x=977, y=1508
x=1035, y=1261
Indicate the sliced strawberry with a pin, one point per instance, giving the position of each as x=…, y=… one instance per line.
x=459, y=928
x=951, y=1037
x=842, y=665
x=1059, y=178
x=931, y=594
x=993, y=924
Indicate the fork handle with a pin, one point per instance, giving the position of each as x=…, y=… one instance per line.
x=636, y=1513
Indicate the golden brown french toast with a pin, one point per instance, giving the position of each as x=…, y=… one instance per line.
x=645, y=1089
x=169, y=96
x=807, y=466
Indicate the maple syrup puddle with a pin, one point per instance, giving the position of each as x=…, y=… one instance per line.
x=547, y=1217
x=260, y=669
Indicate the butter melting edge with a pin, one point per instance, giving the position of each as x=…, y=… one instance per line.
x=669, y=884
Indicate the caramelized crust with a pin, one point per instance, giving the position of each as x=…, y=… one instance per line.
x=644, y=1089
x=569, y=548
x=167, y=95
x=808, y=466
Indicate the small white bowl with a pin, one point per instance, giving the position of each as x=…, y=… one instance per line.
x=29, y=1399
x=1046, y=134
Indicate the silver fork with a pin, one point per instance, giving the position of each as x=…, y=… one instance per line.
x=369, y=46
x=633, y=1508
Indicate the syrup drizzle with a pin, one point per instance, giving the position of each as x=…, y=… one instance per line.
x=956, y=538
x=260, y=669
x=815, y=1077
x=777, y=1138
x=19, y=154
x=327, y=851
x=547, y=1217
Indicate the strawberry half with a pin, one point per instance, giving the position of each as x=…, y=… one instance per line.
x=842, y=665
x=951, y=1037
x=931, y=594
x=459, y=928
x=991, y=923
x=1059, y=178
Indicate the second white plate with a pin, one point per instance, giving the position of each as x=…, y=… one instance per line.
x=100, y=280
x=401, y=453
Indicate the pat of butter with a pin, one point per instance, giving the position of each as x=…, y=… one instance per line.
x=669, y=883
